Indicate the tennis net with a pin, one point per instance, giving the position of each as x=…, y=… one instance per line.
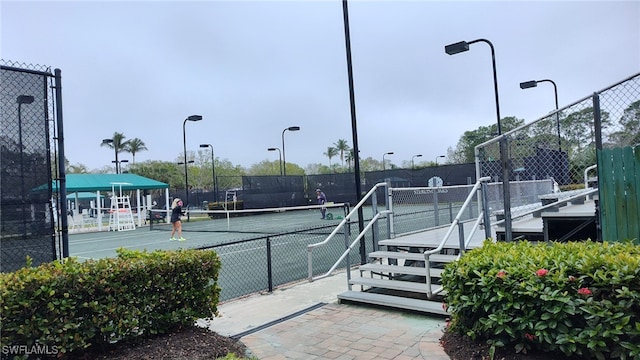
x=255, y=221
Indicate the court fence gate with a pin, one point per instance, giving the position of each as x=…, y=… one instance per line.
x=33, y=220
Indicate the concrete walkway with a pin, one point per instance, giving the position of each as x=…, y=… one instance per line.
x=305, y=321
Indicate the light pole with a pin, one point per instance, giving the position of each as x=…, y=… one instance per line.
x=22, y=99
x=412, y=163
x=184, y=143
x=119, y=165
x=279, y=157
x=463, y=46
x=383, y=155
x=437, y=157
x=115, y=149
x=534, y=83
x=284, y=161
x=213, y=170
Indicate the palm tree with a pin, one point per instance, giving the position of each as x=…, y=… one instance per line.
x=342, y=146
x=331, y=152
x=117, y=143
x=134, y=146
x=349, y=158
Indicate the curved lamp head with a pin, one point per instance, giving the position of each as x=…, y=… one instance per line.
x=24, y=99
x=293, y=128
x=194, y=118
x=528, y=84
x=456, y=48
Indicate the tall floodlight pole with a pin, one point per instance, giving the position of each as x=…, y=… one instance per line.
x=284, y=161
x=119, y=165
x=354, y=127
x=184, y=144
x=413, y=157
x=383, y=155
x=279, y=157
x=22, y=99
x=463, y=46
x=213, y=171
x=115, y=150
x=534, y=83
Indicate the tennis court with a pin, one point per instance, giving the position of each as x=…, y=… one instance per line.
x=250, y=262
x=258, y=252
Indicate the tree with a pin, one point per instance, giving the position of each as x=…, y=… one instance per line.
x=76, y=169
x=331, y=152
x=629, y=135
x=134, y=146
x=465, y=149
x=342, y=146
x=163, y=171
x=118, y=143
x=265, y=167
x=350, y=158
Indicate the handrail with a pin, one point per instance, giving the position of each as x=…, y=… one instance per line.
x=342, y=223
x=553, y=204
x=586, y=171
x=349, y=248
x=455, y=222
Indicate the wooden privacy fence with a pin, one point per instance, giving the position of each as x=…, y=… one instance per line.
x=619, y=187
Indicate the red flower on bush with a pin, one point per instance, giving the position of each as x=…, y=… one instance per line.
x=530, y=337
x=501, y=274
x=542, y=272
x=584, y=291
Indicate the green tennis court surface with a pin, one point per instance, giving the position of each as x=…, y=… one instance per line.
x=198, y=233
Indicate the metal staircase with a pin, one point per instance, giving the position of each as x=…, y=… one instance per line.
x=404, y=270
x=397, y=276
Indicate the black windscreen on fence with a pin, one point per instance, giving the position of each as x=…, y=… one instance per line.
x=273, y=191
x=26, y=216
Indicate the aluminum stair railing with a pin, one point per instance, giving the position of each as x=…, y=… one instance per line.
x=456, y=222
x=342, y=225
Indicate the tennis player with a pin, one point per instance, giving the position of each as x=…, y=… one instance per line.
x=176, y=213
x=322, y=199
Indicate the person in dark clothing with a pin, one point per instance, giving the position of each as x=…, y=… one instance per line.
x=176, y=213
x=322, y=199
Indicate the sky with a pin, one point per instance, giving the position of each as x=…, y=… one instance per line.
x=255, y=68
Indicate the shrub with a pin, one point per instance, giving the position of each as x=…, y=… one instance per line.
x=73, y=305
x=580, y=298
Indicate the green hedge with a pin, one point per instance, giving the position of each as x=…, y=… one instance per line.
x=73, y=305
x=580, y=298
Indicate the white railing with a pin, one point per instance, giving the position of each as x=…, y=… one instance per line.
x=456, y=222
x=343, y=224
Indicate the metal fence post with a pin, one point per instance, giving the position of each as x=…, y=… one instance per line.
x=485, y=210
x=269, y=265
x=62, y=185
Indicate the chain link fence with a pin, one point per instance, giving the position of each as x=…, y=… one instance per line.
x=264, y=263
x=28, y=209
x=561, y=146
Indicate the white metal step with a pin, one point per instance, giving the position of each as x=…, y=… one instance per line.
x=432, y=307
x=412, y=256
x=394, y=269
x=390, y=284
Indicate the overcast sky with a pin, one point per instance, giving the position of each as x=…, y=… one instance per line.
x=254, y=68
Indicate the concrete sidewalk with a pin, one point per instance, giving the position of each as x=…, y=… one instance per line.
x=305, y=321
